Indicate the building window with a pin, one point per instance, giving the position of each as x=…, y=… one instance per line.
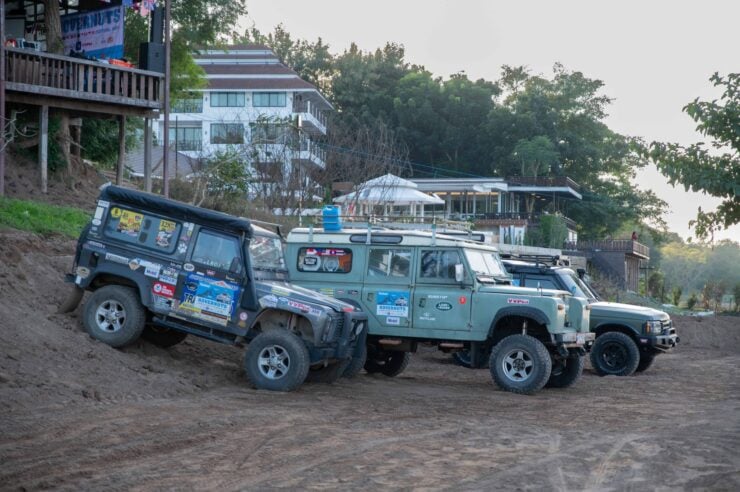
x=227, y=133
x=270, y=133
x=227, y=99
x=191, y=104
x=188, y=138
x=269, y=99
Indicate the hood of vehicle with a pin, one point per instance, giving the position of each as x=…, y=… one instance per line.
x=300, y=294
x=626, y=311
x=524, y=291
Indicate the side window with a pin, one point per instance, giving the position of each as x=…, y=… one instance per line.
x=439, y=265
x=544, y=282
x=143, y=229
x=389, y=263
x=217, y=251
x=325, y=260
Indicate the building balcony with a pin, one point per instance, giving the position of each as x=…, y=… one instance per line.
x=626, y=246
x=306, y=152
x=311, y=120
x=44, y=79
x=513, y=218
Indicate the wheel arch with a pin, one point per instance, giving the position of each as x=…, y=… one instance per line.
x=103, y=279
x=509, y=321
x=278, y=319
x=611, y=327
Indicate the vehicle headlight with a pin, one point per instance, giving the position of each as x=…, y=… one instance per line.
x=654, y=327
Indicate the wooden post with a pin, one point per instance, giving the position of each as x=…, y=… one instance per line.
x=121, y=149
x=44, y=147
x=2, y=97
x=166, y=136
x=148, y=155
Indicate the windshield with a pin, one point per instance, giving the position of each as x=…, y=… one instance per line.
x=266, y=253
x=486, y=263
x=576, y=286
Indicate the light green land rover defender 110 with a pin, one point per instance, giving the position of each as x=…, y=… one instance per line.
x=420, y=287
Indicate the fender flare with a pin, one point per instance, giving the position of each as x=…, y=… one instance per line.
x=523, y=311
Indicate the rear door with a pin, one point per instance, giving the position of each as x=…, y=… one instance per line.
x=386, y=292
x=210, y=284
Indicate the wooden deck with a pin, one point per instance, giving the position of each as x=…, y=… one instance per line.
x=38, y=78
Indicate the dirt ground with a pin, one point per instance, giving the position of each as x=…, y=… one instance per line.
x=78, y=415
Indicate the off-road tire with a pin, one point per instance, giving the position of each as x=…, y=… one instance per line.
x=462, y=358
x=163, y=337
x=114, y=315
x=510, y=359
x=387, y=363
x=356, y=363
x=646, y=360
x=288, y=349
x=327, y=374
x=614, y=354
x=565, y=373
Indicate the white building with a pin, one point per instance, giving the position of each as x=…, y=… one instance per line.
x=252, y=101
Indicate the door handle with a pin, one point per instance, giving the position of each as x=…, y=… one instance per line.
x=370, y=296
x=422, y=302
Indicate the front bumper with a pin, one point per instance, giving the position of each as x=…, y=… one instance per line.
x=573, y=343
x=353, y=326
x=659, y=343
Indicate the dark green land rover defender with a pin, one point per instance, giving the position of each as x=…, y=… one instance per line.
x=162, y=269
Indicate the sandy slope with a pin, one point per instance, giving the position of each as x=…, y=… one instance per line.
x=76, y=414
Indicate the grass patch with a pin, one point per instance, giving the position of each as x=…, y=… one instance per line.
x=42, y=218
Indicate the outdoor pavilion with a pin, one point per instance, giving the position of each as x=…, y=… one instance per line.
x=387, y=195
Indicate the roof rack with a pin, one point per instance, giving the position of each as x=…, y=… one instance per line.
x=544, y=260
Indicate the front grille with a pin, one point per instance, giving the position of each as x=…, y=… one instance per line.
x=335, y=327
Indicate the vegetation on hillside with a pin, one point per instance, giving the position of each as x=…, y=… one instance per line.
x=42, y=218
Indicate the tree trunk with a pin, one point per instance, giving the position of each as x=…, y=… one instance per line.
x=54, y=44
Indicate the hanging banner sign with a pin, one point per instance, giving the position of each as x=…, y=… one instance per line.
x=98, y=33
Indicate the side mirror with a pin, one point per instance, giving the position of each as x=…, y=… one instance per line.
x=581, y=273
x=459, y=272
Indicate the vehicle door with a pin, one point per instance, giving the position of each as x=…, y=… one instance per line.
x=212, y=278
x=386, y=292
x=439, y=302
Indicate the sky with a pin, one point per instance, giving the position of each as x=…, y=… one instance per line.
x=654, y=56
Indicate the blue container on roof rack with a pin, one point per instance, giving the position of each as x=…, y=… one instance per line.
x=332, y=219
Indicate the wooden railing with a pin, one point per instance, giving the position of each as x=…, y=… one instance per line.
x=628, y=246
x=76, y=78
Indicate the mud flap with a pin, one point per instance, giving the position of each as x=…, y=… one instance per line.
x=74, y=297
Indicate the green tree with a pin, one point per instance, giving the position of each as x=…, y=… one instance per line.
x=713, y=168
x=676, y=295
x=691, y=302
